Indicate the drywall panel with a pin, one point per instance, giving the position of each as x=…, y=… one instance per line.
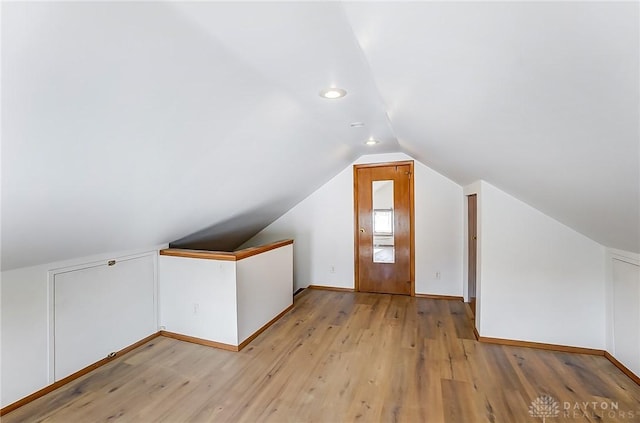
x=101, y=309
x=626, y=313
x=24, y=333
x=264, y=288
x=322, y=226
x=439, y=233
x=536, y=272
x=198, y=298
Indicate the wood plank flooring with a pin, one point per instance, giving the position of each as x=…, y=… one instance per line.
x=346, y=357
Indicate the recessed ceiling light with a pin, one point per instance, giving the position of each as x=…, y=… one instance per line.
x=356, y=124
x=372, y=141
x=333, y=93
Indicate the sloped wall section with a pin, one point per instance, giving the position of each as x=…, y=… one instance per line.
x=534, y=272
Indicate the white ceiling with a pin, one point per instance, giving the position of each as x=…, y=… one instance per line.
x=126, y=125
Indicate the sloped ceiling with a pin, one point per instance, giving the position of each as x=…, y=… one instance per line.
x=126, y=125
x=541, y=99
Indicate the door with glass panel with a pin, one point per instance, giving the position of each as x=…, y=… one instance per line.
x=383, y=195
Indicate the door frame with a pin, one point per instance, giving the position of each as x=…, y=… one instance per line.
x=356, y=223
x=472, y=243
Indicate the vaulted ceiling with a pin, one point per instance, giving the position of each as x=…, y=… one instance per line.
x=126, y=125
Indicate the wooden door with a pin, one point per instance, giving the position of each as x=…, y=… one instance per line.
x=384, y=240
x=472, y=242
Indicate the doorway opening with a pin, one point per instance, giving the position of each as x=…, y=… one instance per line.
x=472, y=216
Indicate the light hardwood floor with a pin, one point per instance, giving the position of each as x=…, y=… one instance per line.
x=344, y=357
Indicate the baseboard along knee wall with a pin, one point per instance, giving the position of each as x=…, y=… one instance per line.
x=558, y=348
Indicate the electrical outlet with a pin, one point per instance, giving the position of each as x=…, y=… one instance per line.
x=332, y=269
x=196, y=308
x=437, y=275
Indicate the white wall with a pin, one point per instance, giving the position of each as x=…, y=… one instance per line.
x=198, y=298
x=25, y=327
x=439, y=233
x=322, y=226
x=264, y=288
x=26, y=322
x=623, y=307
x=538, y=280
